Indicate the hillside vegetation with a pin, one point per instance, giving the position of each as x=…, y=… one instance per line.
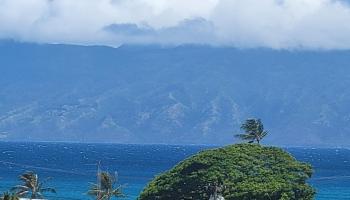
x=244, y=171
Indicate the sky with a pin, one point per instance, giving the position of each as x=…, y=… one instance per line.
x=277, y=24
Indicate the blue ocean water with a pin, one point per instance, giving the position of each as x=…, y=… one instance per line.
x=73, y=166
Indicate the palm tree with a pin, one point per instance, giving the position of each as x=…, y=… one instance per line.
x=8, y=196
x=254, y=131
x=106, y=187
x=31, y=187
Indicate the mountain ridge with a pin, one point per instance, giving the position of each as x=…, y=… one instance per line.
x=185, y=94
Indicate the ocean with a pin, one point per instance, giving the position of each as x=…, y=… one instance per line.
x=72, y=167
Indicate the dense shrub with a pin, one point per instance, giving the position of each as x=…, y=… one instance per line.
x=246, y=171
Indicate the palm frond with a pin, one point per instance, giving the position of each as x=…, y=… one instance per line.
x=263, y=134
x=22, y=193
x=38, y=195
x=19, y=187
x=94, y=192
x=245, y=136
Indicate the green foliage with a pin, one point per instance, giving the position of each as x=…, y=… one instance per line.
x=31, y=186
x=247, y=172
x=253, y=131
x=8, y=196
x=106, y=188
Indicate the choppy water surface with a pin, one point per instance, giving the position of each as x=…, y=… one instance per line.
x=73, y=166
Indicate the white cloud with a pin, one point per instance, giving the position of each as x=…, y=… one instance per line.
x=310, y=24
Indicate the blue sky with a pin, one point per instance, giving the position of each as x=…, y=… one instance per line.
x=278, y=24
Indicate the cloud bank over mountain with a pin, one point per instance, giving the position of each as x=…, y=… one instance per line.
x=278, y=24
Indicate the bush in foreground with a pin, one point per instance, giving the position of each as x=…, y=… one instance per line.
x=246, y=171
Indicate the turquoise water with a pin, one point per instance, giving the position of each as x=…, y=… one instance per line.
x=73, y=166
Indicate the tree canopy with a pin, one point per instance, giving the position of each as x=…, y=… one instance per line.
x=245, y=172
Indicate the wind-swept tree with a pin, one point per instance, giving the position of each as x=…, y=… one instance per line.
x=31, y=187
x=253, y=131
x=106, y=187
